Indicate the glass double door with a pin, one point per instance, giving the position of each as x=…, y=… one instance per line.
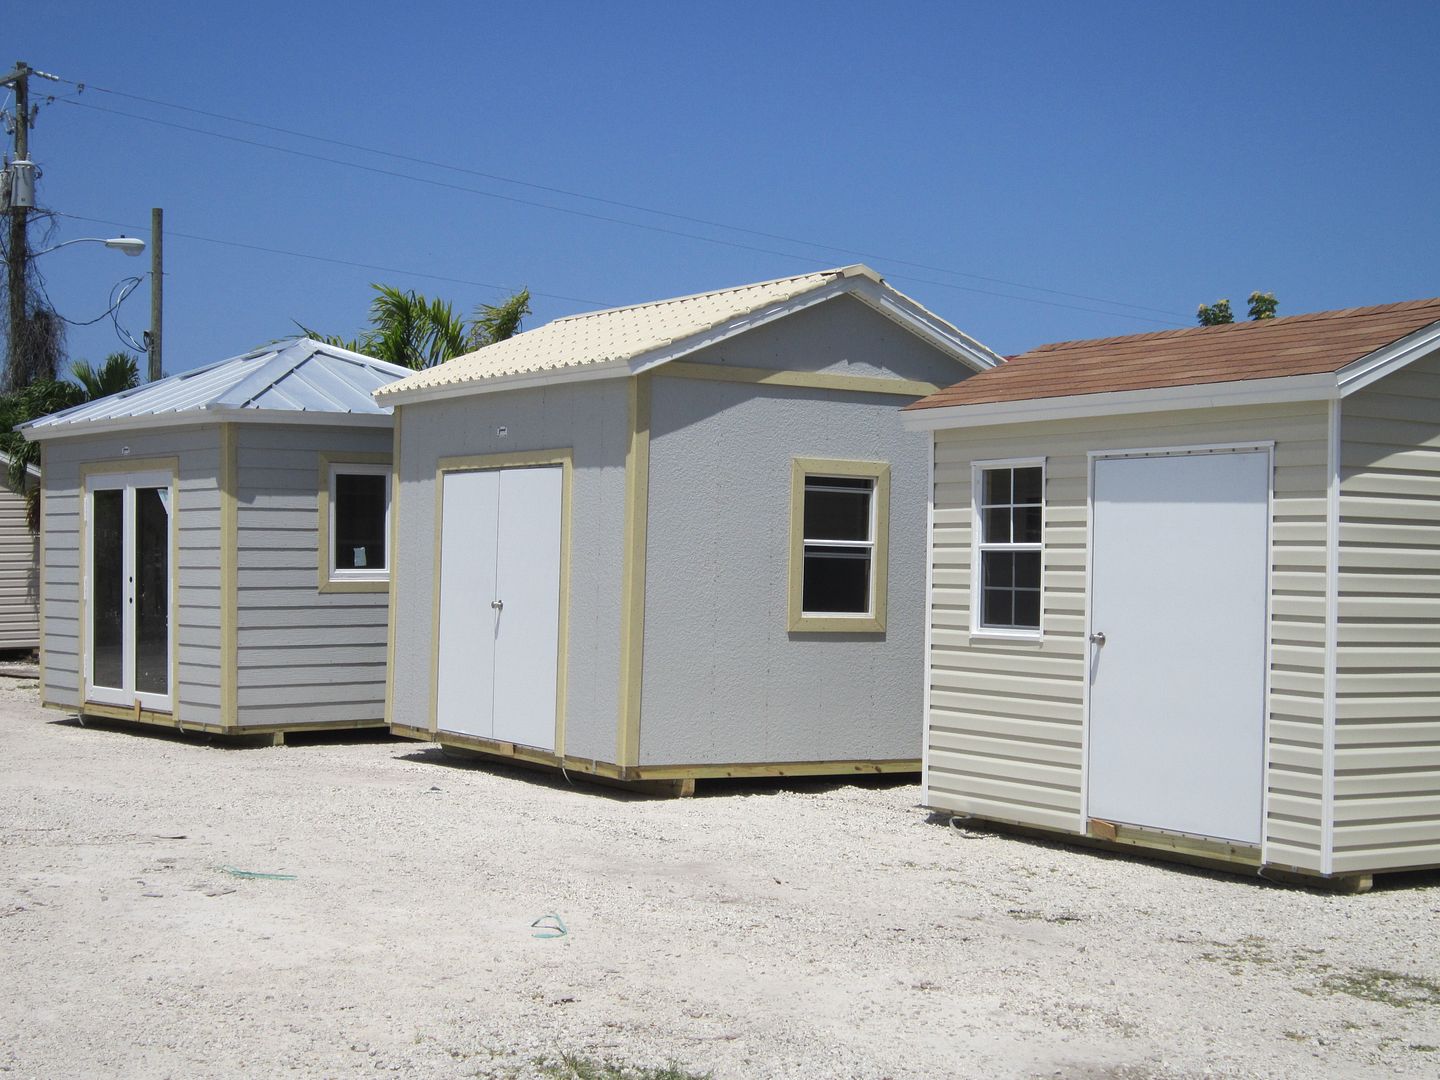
x=129, y=639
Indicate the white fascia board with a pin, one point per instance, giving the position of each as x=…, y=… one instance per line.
x=523, y=380
x=201, y=417
x=1320, y=387
x=926, y=324
x=1383, y=361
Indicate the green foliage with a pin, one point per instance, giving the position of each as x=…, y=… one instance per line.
x=38, y=398
x=120, y=372
x=1216, y=314
x=413, y=331
x=1263, y=305
x=573, y=1067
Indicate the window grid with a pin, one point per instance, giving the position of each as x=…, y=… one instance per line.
x=1009, y=527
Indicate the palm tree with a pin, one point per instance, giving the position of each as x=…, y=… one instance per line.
x=119, y=372
x=408, y=329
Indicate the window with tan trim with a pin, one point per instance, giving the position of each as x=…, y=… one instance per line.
x=355, y=525
x=839, y=532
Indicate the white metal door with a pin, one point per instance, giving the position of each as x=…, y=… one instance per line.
x=528, y=590
x=500, y=604
x=129, y=579
x=469, y=517
x=1179, y=576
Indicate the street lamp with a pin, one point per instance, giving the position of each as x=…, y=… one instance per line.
x=130, y=245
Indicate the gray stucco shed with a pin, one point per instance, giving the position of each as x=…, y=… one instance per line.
x=188, y=574
x=689, y=442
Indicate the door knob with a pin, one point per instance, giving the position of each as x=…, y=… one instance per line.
x=497, y=604
x=1097, y=638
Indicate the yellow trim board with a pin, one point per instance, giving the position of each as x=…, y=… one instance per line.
x=564, y=457
x=808, y=380
x=394, y=565
x=329, y=459
x=229, y=578
x=632, y=595
x=41, y=574
x=874, y=623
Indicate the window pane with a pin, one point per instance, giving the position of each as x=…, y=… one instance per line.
x=837, y=580
x=836, y=515
x=1027, y=570
x=1027, y=609
x=359, y=521
x=995, y=522
x=997, y=608
x=997, y=569
x=152, y=591
x=1027, y=525
x=107, y=589
x=1027, y=485
x=996, y=487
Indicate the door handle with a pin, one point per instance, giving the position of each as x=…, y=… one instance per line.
x=1097, y=638
x=498, y=605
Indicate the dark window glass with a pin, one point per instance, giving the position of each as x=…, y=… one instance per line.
x=997, y=487
x=1027, y=485
x=837, y=581
x=996, y=524
x=152, y=591
x=1027, y=525
x=834, y=512
x=107, y=593
x=1011, y=513
x=359, y=521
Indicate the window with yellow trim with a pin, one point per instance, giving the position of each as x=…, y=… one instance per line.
x=838, y=545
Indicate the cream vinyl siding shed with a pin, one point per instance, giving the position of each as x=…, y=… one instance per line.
x=1347, y=731
x=19, y=567
x=235, y=460
x=657, y=460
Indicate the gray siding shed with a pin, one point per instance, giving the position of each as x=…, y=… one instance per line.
x=19, y=568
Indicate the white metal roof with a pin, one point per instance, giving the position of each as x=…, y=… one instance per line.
x=626, y=340
x=296, y=380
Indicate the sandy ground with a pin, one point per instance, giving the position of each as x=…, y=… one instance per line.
x=809, y=930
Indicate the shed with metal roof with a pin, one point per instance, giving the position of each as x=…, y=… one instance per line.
x=19, y=563
x=1186, y=592
x=215, y=545
x=676, y=540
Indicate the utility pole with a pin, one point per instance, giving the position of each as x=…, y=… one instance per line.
x=157, y=291
x=18, y=255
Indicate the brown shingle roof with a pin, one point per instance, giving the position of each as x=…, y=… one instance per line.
x=1323, y=341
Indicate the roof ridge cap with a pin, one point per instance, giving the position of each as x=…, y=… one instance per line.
x=834, y=271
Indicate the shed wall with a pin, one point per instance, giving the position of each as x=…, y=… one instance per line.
x=19, y=575
x=724, y=681
x=1387, y=756
x=197, y=575
x=1006, y=733
x=840, y=336
x=303, y=656
x=591, y=419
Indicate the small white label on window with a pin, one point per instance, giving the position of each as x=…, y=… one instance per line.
x=359, y=557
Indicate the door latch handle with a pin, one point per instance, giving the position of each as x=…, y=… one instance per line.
x=497, y=604
x=1097, y=638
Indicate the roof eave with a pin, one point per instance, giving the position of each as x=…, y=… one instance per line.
x=1390, y=358
x=1321, y=387
x=200, y=417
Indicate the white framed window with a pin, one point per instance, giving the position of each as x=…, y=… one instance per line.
x=839, y=527
x=1007, y=595
x=358, y=523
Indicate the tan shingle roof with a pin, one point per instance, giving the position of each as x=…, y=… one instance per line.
x=1324, y=341
x=622, y=334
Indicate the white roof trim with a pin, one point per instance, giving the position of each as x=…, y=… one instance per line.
x=1320, y=387
x=1383, y=361
x=31, y=471
x=212, y=415
x=853, y=281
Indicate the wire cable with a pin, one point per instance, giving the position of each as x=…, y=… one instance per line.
x=1172, y=320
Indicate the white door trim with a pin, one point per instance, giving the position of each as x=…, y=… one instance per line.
x=1263, y=446
x=126, y=696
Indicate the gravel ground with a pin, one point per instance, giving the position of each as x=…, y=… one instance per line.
x=766, y=930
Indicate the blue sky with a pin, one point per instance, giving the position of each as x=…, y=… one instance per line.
x=1143, y=154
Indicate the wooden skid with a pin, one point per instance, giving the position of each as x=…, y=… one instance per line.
x=168, y=720
x=682, y=777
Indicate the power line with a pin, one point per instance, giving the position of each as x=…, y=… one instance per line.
x=335, y=261
x=620, y=221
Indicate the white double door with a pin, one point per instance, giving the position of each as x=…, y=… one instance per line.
x=499, y=627
x=129, y=640
x=1179, y=576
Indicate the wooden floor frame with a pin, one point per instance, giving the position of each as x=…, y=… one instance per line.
x=276, y=732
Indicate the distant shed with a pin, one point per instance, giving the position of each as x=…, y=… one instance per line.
x=677, y=540
x=19, y=565
x=1187, y=592
x=216, y=546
